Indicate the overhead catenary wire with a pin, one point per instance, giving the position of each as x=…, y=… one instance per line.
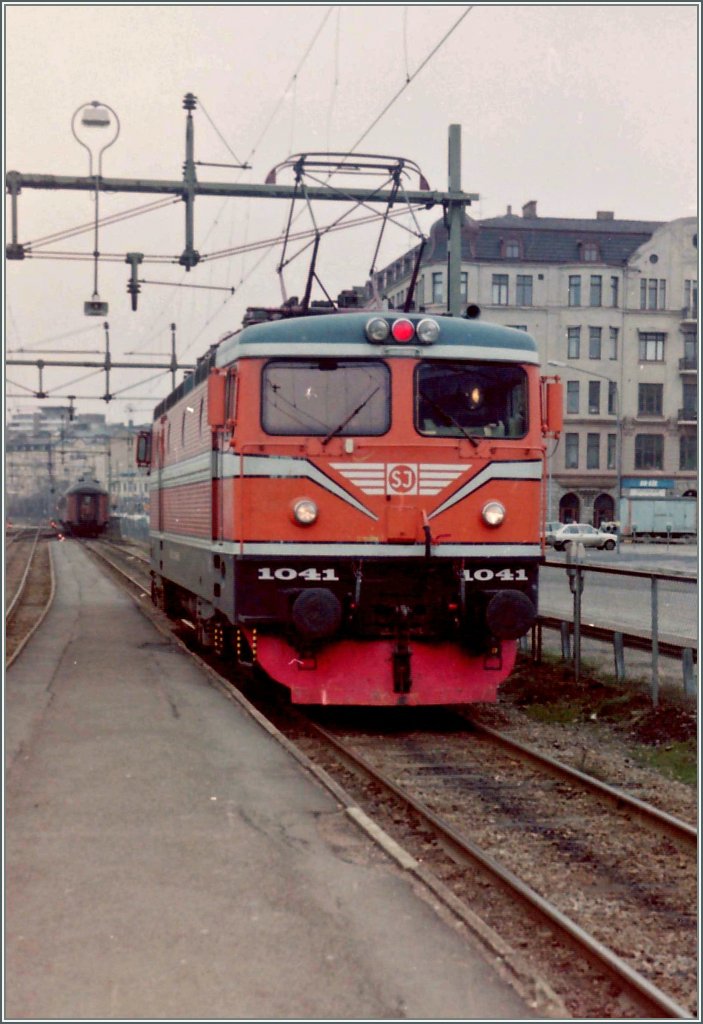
x=59, y=337
x=409, y=79
x=76, y=380
x=414, y=75
x=114, y=218
x=306, y=233
x=290, y=82
x=219, y=133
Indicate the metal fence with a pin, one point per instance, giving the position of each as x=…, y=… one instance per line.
x=627, y=609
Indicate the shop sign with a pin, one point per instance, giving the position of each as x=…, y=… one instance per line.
x=646, y=483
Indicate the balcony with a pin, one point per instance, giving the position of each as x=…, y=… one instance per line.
x=688, y=416
x=688, y=364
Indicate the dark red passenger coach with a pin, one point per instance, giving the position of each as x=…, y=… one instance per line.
x=83, y=509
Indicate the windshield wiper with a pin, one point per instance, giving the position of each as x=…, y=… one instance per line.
x=447, y=416
x=351, y=416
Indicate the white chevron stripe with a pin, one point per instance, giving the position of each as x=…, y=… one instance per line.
x=495, y=471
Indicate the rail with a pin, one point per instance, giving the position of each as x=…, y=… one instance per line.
x=11, y=609
x=647, y=996
x=646, y=813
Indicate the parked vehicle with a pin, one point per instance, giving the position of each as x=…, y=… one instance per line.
x=550, y=530
x=583, y=533
x=644, y=517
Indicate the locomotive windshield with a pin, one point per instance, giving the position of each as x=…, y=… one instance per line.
x=325, y=397
x=455, y=399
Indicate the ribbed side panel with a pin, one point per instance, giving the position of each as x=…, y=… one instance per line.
x=187, y=509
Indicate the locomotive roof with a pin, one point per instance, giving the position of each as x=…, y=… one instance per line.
x=343, y=334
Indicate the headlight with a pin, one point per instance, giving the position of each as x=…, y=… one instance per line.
x=493, y=513
x=304, y=511
x=428, y=331
x=377, y=329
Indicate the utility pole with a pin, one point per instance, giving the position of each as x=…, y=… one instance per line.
x=454, y=210
x=188, y=188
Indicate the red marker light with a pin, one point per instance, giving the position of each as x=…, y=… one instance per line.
x=402, y=330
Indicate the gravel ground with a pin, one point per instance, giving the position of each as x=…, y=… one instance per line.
x=597, y=749
x=631, y=888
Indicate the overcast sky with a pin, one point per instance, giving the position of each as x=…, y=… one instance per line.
x=580, y=107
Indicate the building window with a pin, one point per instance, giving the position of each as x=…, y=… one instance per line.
x=612, y=450
x=589, y=252
x=518, y=327
x=596, y=294
x=438, y=287
x=649, y=451
x=594, y=340
x=612, y=398
x=524, y=290
x=614, y=287
x=573, y=342
x=688, y=444
x=500, y=289
x=593, y=451
x=511, y=250
x=690, y=351
x=652, y=293
x=421, y=291
x=464, y=285
x=690, y=299
x=650, y=399
x=574, y=289
x=572, y=396
x=651, y=347
x=571, y=451
x=690, y=399
x=614, y=336
x=594, y=397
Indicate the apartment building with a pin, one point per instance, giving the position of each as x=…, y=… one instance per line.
x=613, y=305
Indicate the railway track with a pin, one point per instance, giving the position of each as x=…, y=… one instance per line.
x=551, y=845
x=593, y=870
x=29, y=583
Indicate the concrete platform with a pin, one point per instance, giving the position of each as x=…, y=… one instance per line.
x=166, y=859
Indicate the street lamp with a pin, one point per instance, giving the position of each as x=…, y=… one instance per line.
x=618, y=435
x=100, y=116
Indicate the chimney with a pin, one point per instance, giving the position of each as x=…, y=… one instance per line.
x=530, y=209
x=510, y=211
x=605, y=215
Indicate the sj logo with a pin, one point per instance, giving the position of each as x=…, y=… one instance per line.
x=401, y=478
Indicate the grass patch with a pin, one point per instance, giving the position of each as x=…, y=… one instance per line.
x=555, y=714
x=677, y=760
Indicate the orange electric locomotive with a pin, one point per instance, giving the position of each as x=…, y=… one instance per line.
x=354, y=502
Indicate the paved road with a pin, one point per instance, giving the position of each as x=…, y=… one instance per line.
x=625, y=602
